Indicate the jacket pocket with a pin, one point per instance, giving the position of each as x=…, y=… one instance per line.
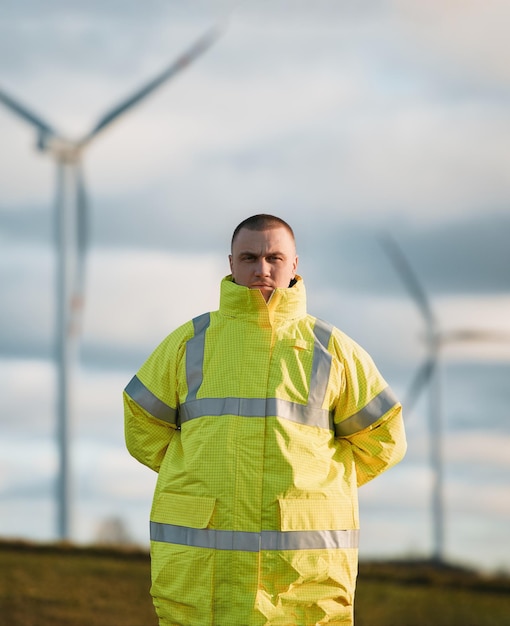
x=183, y=510
x=306, y=514
x=298, y=344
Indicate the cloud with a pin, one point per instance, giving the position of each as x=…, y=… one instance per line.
x=137, y=298
x=133, y=300
x=344, y=118
x=455, y=256
x=134, y=297
x=101, y=467
x=465, y=255
x=471, y=35
x=27, y=313
x=22, y=413
x=356, y=125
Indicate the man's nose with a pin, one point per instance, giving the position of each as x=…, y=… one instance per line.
x=262, y=267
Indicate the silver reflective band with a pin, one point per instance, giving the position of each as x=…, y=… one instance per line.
x=254, y=542
x=256, y=407
x=195, y=349
x=368, y=415
x=321, y=365
x=311, y=414
x=138, y=392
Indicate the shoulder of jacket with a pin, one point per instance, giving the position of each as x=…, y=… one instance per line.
x=350, y=351
x=340, y=342
x=178, y=337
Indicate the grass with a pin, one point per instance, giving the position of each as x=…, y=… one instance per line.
x=59, y=585
x=67, y=586
x=424, y=594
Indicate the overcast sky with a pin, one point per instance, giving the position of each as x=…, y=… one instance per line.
x=347, y=119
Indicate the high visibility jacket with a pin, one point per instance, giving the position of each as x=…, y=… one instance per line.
x=262, y=421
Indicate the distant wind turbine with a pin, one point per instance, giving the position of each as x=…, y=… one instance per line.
x=428, y=373
x=72, y=240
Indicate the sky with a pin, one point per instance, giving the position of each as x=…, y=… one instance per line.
x=352, y=121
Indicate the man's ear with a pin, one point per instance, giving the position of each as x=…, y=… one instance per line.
x=230, y=263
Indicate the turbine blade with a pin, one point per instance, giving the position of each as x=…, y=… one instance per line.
x=409, y=278
x=197, y=49
x=465, y=335
x=24, y=112
x=421, y=378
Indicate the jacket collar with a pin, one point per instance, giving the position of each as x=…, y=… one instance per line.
x=239, y=301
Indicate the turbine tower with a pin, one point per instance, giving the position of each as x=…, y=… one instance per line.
x=429, y=373
x=71, y=238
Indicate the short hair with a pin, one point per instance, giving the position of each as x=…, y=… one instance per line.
x=262, y=221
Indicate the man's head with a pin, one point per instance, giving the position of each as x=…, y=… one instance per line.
x=263, y=254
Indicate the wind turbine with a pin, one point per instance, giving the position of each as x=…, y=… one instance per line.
x=428, y=373
x=71, y=236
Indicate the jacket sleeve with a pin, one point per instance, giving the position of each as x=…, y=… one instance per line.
x=368, y=415
x=151, y=403
x=147, y=438
x=379, y=447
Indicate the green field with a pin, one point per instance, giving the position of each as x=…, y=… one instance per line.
x=54, y=585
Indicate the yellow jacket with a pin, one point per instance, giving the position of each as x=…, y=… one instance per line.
x=262, y=421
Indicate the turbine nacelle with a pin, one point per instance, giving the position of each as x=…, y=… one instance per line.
x=435, y=338
x=63, y=150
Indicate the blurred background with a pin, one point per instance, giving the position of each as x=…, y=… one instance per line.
x=349, y=120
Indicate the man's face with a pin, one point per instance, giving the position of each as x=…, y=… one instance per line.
x=263, y=259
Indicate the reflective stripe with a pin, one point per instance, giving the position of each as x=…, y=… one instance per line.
x=138, y=392
x=195, y=355
x=308, y=539
x=321, y=365
x=254, y=542
x=368, y=415
x=311, y=414
x=257, y=407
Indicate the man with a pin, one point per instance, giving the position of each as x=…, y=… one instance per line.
x=262, y=421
